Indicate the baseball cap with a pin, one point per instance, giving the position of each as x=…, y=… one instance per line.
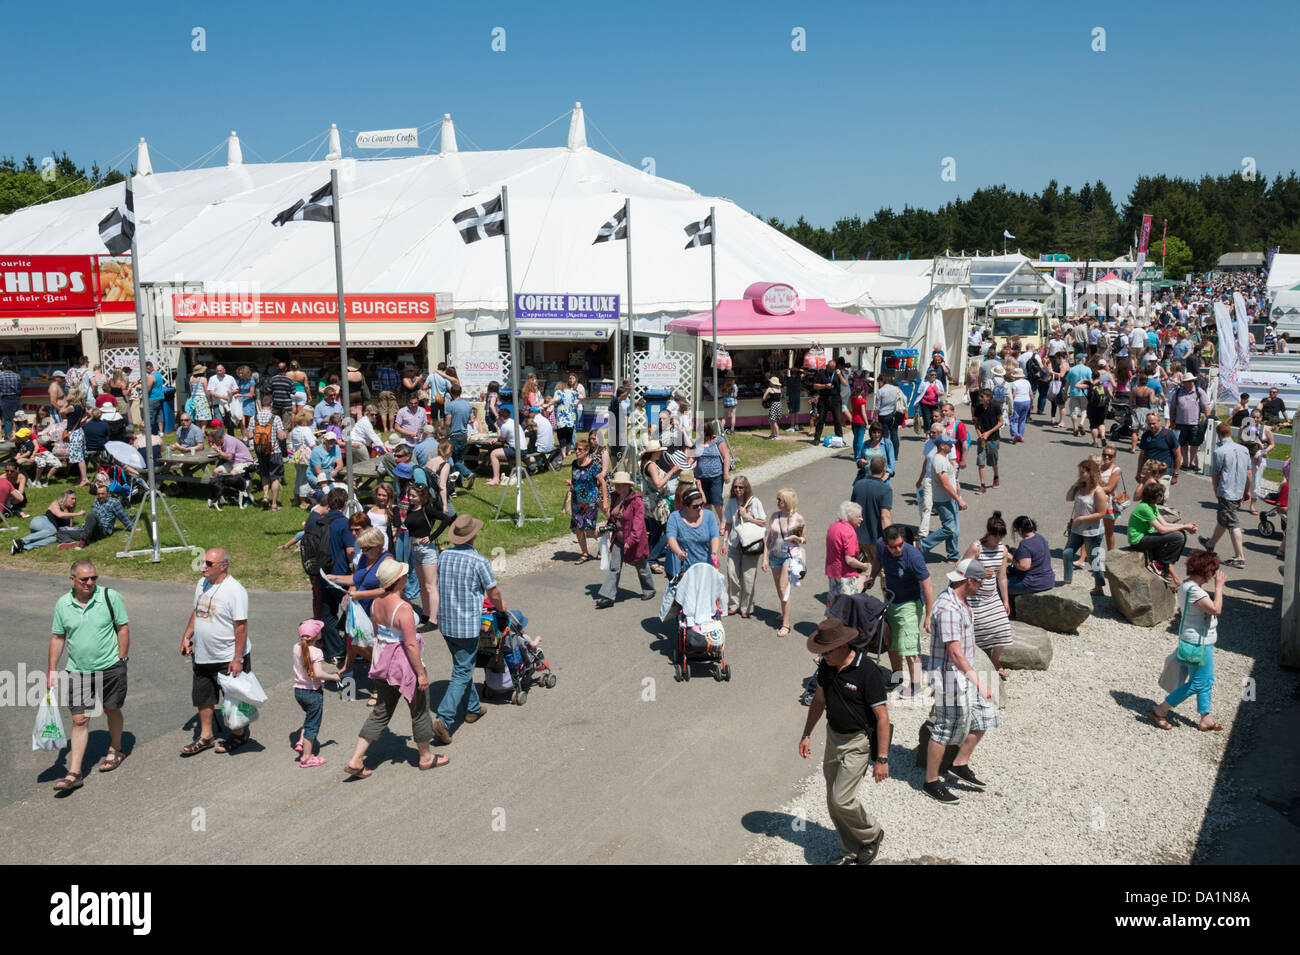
x=968, y=569
x=944, y=438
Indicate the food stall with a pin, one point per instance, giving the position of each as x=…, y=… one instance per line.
x=768, y=330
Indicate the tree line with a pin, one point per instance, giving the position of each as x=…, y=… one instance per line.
x=29, y=183
x=1207, y=217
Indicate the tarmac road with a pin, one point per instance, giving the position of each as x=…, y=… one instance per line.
x=617, y=764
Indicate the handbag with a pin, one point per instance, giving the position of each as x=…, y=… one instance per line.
x=567, y=507
x=1121, y=499
x=1192, y=654
x=900, y=405
x=1173, y=674
x=751, y=537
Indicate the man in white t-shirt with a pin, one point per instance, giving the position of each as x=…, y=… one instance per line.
x=217, y=639
x=544, y=443
x=506, y=431
x=220, y=389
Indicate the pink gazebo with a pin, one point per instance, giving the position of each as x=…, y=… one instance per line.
x=771, y=315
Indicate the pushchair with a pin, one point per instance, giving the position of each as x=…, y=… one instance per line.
x=866, y=614
x=699, y=596
x=507, y=659
x=1276, y=513
x=1121, y=410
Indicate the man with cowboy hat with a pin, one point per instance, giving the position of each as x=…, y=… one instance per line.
x=629, y=542
x=963, y=704
x=852, y=694
x=464, y=578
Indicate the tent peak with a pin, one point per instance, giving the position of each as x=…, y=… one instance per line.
x=577, y=129
x=336, y=148
x=448, y=136
x=234, y=154
x=142, y=165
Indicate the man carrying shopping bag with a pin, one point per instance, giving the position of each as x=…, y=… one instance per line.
x=91, y=622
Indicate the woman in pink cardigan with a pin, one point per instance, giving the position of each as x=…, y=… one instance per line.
x=629, y=542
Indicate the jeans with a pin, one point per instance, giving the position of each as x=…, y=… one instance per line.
x=1200, y=680
x=43, y=532
x=609, y=589
x=947, y=531
x=1019, y=417
x=402, y=551
x=330, y=640
x=1096, y=549
x=9, y=408
x=459, y=443
x=86, y=533
x=889, y=425
x=859, y=440
x=927, y=417
x=659, y=540
x=1040, y=389
x=313, y=706
x=462, y=694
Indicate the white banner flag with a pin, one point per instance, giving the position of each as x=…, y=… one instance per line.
x=1227, y=353
x=1243, y=331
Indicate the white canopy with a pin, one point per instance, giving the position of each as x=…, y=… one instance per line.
x=1285, y=272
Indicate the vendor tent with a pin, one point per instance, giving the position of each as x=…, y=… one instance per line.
x=1285, y=272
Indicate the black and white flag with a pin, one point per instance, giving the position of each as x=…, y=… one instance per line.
x=117, y=229
x=700, y=233
x=615, y=228
x=318, y=207
x=481, y=221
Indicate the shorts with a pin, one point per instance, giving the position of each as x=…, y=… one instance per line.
x=712, y=487
x=843, y=586
x=775, y=559
x=1076, y=405
x=962, y=713
x=387, y=404
x=1227, y=517
x=424, y=555
x=905, y=627
x=108, y=685
x=987, y=456
x=271, y=469
x=205, y=691
x=1186, y=435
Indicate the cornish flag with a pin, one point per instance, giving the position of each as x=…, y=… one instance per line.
x=318, y=207
x=700, y=233
x=615, y=228
x=1007, y=235
x=481, y=221
x=118, y=227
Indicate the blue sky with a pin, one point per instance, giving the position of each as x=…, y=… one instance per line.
x=713, y=92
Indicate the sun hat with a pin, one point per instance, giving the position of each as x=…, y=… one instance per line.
x=999, y=371
x=60, y=374
x=352, y=365
x=329, y=436
x=621, y=477
x=775, y=380
x=944, y=438
x=686, y=477
x=199, y=369
x=23, y=433
x=1187, y=376
x=968, y=569
x=390, y=571
x=311, y=628
x=831, y=633
x=464, y=530
x=404, y=471
x=651, y=447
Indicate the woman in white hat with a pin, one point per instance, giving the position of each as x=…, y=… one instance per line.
x=657, y=489
x=629, y=543
x=775, y=407
x=397, y=671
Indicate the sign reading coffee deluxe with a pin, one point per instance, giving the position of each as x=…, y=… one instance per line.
x=566, y=305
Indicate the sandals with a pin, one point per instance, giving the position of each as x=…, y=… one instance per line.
x=362, y=773
x=233, y=742
x=69, y=782
x=1159, y=720
x=112, y=760
x=583, y=559
x=783, y=632
x=1212, y=728
x=439, y=759
x=311, y=761
x=198, y=746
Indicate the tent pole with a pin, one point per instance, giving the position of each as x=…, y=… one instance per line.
x=144, y=399
x=515, y=396
x=627, y=225
x=343, y=336
x=713, y=285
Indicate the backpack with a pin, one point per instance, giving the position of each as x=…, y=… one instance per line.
x=1034, y=369
x=264, y=442
x=1097, y=396
x=314, y=549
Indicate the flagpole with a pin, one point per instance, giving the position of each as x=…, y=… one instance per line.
x=713, y=294
x=514, y=364
x=343, y=332
x=145, y=410
x=627, y=230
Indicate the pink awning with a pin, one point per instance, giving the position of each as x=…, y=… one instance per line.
x=811, y=317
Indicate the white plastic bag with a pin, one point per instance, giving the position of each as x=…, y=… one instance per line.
x=360, y=628
x=604, y=552
x=243, y=688
x=237, y=714
x=48, y=732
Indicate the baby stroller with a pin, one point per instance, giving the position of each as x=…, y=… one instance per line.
x=1122, y=412
x=866, y=614
x=699, y=595
x=509, y=663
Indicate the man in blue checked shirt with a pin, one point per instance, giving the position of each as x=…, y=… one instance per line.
x=11, y=389
x=100, y=522
x=464, y=578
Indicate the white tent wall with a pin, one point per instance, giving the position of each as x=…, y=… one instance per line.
x=1285, y=272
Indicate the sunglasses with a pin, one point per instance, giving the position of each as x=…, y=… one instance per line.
x=86, y=580
x=213, y=563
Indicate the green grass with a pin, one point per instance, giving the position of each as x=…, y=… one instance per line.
x=252, y=536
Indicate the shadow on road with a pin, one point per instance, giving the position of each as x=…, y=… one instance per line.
x=819, y=844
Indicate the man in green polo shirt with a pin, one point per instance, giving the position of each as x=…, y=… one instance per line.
x=91, y=621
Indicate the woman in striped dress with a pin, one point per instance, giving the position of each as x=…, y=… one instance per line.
x=991, y=607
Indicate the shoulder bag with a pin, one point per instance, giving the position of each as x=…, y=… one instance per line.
x=1193, y=654
x=1121, y=499
x=751, y=537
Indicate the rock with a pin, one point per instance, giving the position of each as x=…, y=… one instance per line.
x=987, y=671
x=1060, y=610
x=1143, y=598
x=1032, y=649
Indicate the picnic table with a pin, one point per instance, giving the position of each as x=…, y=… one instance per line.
x=187, y=468
x=6, y=450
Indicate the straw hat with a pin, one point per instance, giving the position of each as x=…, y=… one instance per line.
x=686, y=477
x=999, y=371
x=390, y=571
x=352, y=365
x=464, y=530
x=199, y=370
x=651, y=447
x=775, y=381
x=622, y=477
